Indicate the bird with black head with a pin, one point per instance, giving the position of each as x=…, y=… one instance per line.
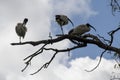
x=63, y=20
x=81, y=29
x=21, y=29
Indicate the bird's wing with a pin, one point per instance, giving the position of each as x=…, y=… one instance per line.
x=64, y=19
x=24, y=30
x=18, y=29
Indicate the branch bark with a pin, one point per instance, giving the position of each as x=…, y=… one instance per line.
x=79, y=42
x=97, y=42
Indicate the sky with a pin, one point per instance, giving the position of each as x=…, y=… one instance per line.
x=42, y=21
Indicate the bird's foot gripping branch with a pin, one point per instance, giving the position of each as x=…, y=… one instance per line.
x=78, y=42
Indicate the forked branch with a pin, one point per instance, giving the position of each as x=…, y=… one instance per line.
x=77, y=41
x=115, y=4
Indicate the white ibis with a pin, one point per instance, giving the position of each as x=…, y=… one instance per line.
x=81, y=29
x=63, y=20
x=21, y=29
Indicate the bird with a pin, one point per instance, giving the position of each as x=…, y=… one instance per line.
x=63, y=20
x=21, y=29
x=81, y=29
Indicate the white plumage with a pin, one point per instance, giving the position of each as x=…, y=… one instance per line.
x=62, y=20
x=81, y=29
x=21, y=29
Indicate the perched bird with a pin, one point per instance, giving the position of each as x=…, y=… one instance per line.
x=81, y=29
x=21, y=29
x=63, y=20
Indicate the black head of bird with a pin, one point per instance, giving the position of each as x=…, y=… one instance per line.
x=25, y=21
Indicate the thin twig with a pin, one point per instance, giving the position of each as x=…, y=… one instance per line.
x=80, y=41
x=115, y=6
x=98, y=62
x=111, y=33
x=36, y=53
x=46, y=64
x=32, y=56
x=105, y=40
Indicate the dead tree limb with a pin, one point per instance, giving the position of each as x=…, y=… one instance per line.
x=115, y=5
x=79, y=42
x=79, y=39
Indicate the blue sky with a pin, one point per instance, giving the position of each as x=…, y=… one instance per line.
x=104, y=22
x=41, y=21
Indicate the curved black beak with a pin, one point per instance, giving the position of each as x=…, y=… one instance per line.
x=92, y=27
x=71, y=22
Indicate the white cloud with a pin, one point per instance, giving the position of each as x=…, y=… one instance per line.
x=73, y=7
x=40, y=13
x=78, y=66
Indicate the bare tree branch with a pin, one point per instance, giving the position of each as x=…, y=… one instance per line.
x=46, y=64
x=111, y=33
x=115, y=4
x=79, y=39
x=32, y=56
x=98, y=62
x=79, y=42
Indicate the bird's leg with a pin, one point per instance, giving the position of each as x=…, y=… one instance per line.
x=20, y=39
x=50, y=35
x=62, y=30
